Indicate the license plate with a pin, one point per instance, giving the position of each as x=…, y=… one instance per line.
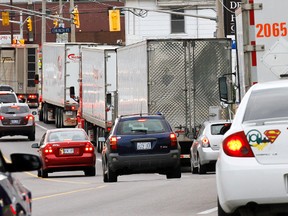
x=68, y=151
x=143, y=145
x=69, y=113
x=14, y=121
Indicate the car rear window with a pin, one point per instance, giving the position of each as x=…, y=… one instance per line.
x=8, y=98
x=67, y=135
x=145, y=125
x=220, y=129
x=267, y=104
x=14, y=109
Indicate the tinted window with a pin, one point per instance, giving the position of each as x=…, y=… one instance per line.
x=220, y=129
x=14, y=109
x=142, y=125
x=267, y=104
x=7, y=98
x=6, y=88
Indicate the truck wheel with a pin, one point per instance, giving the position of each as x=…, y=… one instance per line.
x=40, y=115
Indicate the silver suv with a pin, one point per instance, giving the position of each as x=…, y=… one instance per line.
x=8, y=97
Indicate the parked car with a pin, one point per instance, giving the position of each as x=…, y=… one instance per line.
x=141, y=144
x=66, y=149
x=205, y=148
x=15, y=198
x=252, y=168
x=17, y=119
x=8, y=97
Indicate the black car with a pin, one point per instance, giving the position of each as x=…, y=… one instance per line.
x=141, y=144
x=17, y=119
x=15, y=198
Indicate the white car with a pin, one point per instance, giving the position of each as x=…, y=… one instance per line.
x=252, y=168
x=205, y=148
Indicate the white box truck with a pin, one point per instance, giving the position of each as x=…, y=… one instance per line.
x=18, y=67
x=98, y=91
x=262, y=41
x=177, y=77
x=60, y=71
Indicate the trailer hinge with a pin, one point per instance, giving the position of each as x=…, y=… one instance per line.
x=251, y=48
x=253, y=6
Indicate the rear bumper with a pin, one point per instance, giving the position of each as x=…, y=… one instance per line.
x=16, y=130
x=144, y=163
x=208, y=155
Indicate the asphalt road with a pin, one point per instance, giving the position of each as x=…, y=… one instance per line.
x=71, y=193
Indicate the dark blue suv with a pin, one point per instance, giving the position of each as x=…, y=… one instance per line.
x=141, y=144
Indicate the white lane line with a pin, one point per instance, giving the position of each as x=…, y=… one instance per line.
x=208, y=211
x=41, y=127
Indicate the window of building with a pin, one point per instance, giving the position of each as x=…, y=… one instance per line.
x=177, y=22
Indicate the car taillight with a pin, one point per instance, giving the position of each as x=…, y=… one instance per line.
x=173, y=139
x=13, y=210
x=205, y=142
x=48, y=149
x=236, y=145
x=2, y=118
x=32, y=96
x=113, y=142
x=89, y=147
x=29, y=117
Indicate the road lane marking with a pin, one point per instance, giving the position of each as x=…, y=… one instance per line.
x=41, y=127
x=67, y=193
x=208, y=211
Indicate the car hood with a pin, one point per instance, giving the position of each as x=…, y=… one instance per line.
x=268, y=142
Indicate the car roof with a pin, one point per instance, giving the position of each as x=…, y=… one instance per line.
x=270, y=85
x=7, y=92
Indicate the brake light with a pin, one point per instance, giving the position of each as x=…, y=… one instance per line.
x=173, y=139
x=2, y=118
x=205, y=142
x=32, y=96
x=236, y=145
x=40, y=99
x=113, y=142
x=89, y=147
x=48, y=149
x=73, y=108
x=13, y=210
x=141, y=120
x=29, y=117
x=108, y=129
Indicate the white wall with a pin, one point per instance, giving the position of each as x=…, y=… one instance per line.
x=158, y=25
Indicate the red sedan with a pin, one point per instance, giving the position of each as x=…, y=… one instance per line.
x=66, y=149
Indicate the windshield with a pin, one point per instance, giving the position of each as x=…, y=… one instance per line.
x=14, y=109
x=267, y=104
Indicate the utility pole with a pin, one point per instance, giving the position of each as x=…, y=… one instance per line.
x=220, y=20
x=43, y=31
x=11, y=24
x=73, y=37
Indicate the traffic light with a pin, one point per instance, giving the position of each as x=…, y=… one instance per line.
x=55, y=23
x=5, y=18
x=114, y=20
x=76, y=18
x=29, y=24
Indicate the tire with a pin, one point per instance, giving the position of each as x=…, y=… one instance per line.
x=44, y=173
x=194, y=169
x=40, y=115
x=112, y=176
x=60, y=118
x=31, y=136
x=175, y=173
x=90, y=172
x=221, y=212
x=202, y=169
x=39, y=173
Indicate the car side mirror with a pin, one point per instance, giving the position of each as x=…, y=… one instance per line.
x=225, y=91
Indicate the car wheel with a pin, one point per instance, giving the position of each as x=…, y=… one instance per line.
x=112, y=176
x=175, y=173
x=31, y=136
x=90, y=172
x=39, y=174
x=194, y=169
x=201, y=168
x=44, y=174
x=221, y=212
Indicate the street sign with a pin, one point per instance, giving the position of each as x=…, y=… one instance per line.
x=60, y=30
